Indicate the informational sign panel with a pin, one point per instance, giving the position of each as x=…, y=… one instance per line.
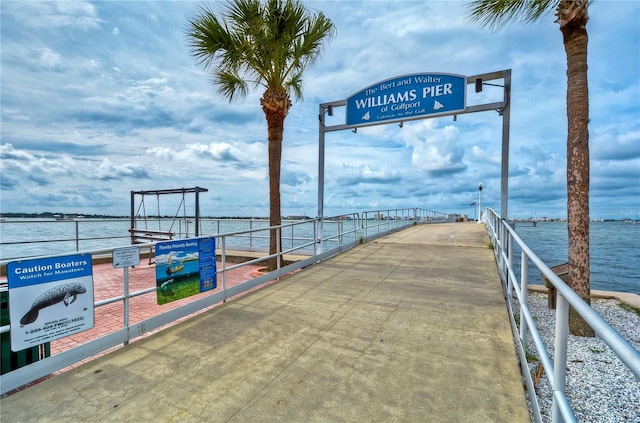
x=185, y=268
x=126, y=257
x=406, y=98
x=49, y=298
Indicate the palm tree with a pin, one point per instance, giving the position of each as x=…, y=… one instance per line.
x=572, y=16
x=265, y=44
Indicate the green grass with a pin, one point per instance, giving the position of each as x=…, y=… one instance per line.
x=531, y=358
x=627, y=307
x=182, y=289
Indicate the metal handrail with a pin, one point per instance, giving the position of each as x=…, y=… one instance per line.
x=78, y=237
x=394, y=219
x=503, y=237
x=75, y=232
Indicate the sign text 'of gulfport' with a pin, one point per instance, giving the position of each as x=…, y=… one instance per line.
x=406, y=98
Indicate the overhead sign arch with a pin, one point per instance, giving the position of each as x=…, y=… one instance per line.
x=412, y=97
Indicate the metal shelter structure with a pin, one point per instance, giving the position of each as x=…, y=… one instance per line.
x=146, y=235
x=415, y=97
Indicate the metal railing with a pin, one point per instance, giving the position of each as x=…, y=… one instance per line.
x=33, y=237
x=28, y=237
x=504, y=238
x=294, y=233
x=341, y=233
x=382, y=221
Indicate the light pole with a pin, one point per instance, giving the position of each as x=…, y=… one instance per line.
x=479, y=202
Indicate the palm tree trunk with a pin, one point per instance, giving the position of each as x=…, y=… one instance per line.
x=575, y=42
x=275, y=214
x=275, y=104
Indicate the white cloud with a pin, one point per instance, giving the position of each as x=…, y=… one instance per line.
x=74, y=14
x=49, y=58
x=106, y=94
x=436, y=151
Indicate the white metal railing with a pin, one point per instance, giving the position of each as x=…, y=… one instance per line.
x=341, y=233
x=503, y=237
x=383, y=221
x=25, y=238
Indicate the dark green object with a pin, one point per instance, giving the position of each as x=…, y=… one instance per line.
x=11, y=360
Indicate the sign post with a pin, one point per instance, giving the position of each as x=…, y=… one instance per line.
x=124, y=258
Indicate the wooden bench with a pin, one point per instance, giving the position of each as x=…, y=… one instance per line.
x=143, y=236
x=562, y=270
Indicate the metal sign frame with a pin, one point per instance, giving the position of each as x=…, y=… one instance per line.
x=503, y=108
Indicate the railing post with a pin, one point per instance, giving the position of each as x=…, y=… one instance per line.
x=499, y=243
x=77, y=236
x=292, y=234
x=223, y=259
x=560, y=355
x=504, y=239
x=510, y=267
x=278, y=249
x=125, y=279
x=524, y=297
x=315, y=239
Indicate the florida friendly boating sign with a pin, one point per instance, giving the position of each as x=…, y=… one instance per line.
x=185, y=268
x=406, y=98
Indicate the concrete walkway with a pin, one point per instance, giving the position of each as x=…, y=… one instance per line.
x=412, y=327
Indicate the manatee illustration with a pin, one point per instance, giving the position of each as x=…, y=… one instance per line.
x=165, y=288
x=66, y=293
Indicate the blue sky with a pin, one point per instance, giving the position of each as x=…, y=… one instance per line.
x=101, y=98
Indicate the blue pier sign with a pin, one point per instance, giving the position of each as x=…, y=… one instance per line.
x=406, y=98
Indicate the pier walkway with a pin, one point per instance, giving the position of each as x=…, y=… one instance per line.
x=411, y=327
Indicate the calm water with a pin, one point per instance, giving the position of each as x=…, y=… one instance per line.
x=615, y=246
x=615, y=252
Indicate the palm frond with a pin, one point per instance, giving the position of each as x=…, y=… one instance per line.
x=294, y=85
x=497, y=14
x=230, y=85
x=261, y=42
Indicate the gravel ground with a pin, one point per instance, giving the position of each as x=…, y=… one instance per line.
x=600, y=387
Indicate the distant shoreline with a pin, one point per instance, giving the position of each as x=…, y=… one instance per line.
x=72, y=216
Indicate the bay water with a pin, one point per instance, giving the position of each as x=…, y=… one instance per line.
x=614, y=249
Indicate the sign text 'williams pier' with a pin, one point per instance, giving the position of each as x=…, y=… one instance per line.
x=406, y=98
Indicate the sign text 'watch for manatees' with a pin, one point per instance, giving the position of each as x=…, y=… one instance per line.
x=407, y=97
